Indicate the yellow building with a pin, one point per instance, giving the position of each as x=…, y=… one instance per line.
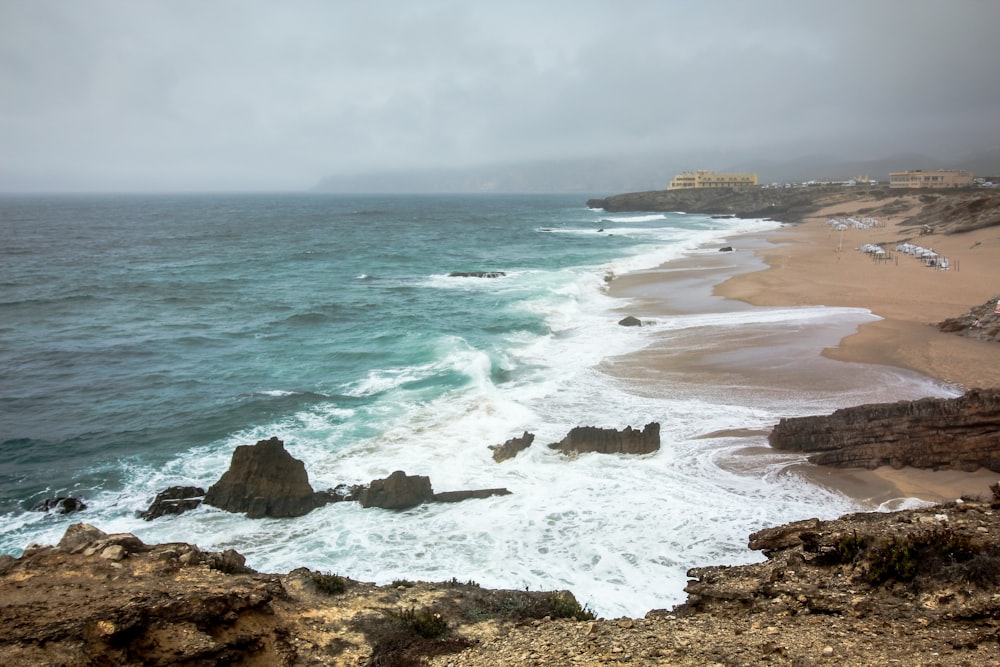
x=708, y=179
x=942, y=178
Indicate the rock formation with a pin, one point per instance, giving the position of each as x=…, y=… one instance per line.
x=264, y=480
x=959, y=433
x=512, y=447
x=980, y=323
x=398, y=491
x=174, y=500
x=60, y=505
x=611, y=441
x=477, y=274
x=630, y=321
x=459, y=496
x=917, y=587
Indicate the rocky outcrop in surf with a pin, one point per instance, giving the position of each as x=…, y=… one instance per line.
x=583, y=439
x=400, y=491
x=477, y=274
x=174, y=500
x=60, y=505
x=512, y=447
x=264, y=480
x=934, y=433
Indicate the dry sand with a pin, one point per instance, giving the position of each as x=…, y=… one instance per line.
x=812, y=264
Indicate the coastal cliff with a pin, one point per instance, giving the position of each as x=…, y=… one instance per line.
x=865, y=589
x=934, y=433
x=948, y=211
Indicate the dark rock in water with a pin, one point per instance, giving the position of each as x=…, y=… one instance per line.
x=398, y=491
x=611, y=441
x=630, y=322
x=344, y=492
x=477, y=274
x=726, y=248
x=264, y=480
x=512, y=447
x=60, y=505
x=458, y=496
x=174, y=500
x=936, y=433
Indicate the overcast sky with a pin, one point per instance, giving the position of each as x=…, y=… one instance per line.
x=245, y=94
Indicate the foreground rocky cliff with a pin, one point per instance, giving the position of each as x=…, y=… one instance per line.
x=917, y=587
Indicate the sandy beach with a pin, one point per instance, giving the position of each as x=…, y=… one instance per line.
x=813, y=264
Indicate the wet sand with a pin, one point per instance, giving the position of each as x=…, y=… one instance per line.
x=811, y=264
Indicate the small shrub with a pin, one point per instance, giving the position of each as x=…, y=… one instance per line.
x=331, y=584
x=566, y=606
x=849, y=546
x=892, y=560
x=903, y=558
x=425, y=622
x=402, y=583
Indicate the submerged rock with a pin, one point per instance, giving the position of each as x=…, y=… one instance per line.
x=174, y=500
x=60, y=505
x=458, y=496
x=477, y=274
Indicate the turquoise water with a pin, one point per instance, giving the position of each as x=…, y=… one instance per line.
x=142, y=338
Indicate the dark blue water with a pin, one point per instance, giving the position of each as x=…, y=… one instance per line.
x=143, y=325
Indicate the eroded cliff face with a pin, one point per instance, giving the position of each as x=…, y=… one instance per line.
x=933, y=433
x=946, y=211
x=917, y=587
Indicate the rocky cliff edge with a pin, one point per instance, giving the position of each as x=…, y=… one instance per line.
x=917, y=587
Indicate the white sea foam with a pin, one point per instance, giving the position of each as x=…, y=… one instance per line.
x=638, y=218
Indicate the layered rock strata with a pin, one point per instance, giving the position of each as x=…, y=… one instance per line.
x=935, y=433
x=611, y=441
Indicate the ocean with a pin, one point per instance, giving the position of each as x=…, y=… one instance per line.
x=144, y=337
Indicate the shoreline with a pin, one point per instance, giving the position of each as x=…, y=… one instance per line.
x=806, y=264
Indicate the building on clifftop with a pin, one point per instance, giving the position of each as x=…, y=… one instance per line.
x=942, y=178
x=708, y=179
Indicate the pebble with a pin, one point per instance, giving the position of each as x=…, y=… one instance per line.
x=828, y=650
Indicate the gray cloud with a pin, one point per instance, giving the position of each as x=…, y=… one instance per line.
x=228, y=94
